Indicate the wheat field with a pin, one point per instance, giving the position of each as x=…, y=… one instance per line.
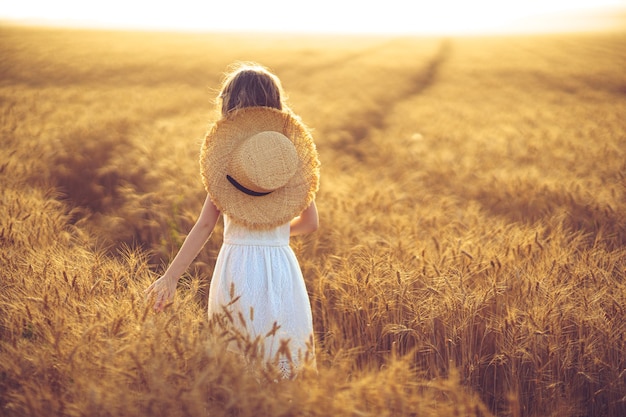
x=471, y=256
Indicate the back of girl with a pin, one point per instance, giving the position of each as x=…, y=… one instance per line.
x=260, y=167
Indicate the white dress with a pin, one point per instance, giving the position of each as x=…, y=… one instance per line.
x=260, y=268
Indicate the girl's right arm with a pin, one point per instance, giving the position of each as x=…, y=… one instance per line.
x=163, y=289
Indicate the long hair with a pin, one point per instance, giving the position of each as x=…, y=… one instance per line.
x=248, y=85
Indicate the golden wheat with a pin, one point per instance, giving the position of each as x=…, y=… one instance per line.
x=471, y=256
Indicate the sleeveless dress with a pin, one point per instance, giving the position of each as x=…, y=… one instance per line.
x=260, y=268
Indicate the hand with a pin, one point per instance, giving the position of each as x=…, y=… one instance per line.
x=163, y=290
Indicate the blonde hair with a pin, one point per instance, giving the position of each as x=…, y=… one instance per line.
x=248, y=84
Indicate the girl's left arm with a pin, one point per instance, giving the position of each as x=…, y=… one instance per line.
x=307, y=222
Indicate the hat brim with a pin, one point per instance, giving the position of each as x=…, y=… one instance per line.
x=283, y=204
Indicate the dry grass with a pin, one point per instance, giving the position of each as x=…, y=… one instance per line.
x=471, y=257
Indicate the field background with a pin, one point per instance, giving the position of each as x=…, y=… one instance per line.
x=471, y=257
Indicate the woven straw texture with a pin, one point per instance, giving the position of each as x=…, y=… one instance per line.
x=283, y=204
x=264, y=162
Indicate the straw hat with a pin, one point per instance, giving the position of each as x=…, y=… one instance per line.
x=260, y=166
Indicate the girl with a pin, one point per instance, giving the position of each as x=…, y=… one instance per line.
x=260, y=167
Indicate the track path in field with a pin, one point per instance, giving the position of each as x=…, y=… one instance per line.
x=351, y=101
x=352, y=96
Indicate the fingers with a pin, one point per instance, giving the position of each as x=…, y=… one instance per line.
x=156, y=292
x=151, y=289
x=158, y=305
x=148, y=292
x=163, y=297
x=151, y=293
x=161, y=293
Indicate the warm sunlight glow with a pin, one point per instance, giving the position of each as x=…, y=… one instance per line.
x=325, y=16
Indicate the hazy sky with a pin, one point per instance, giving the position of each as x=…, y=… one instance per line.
x=384, y=16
